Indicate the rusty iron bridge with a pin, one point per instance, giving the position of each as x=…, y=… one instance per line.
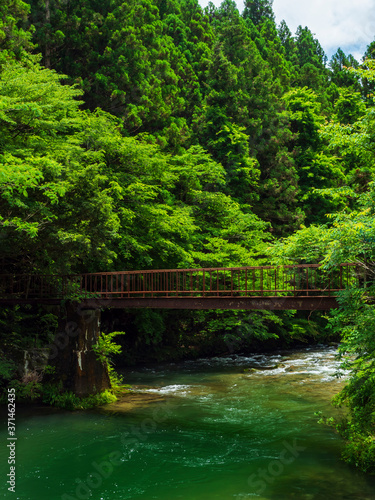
x=301, y=287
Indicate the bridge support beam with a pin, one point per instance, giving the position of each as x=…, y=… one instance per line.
x=72, y=354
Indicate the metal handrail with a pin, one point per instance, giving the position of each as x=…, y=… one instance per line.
x=249, y=281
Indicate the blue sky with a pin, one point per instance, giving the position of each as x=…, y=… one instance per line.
x=349, y=24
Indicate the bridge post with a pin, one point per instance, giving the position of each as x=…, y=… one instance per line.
x=72, y=354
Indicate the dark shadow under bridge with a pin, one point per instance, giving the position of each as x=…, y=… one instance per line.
x=302, y=287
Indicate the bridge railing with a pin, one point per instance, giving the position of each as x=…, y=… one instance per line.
x=301, y=280
x=307, y=280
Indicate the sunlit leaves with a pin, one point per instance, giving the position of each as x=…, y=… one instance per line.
x=52, y=189
x=15, y=40
x=349, y=236
x=366, y=70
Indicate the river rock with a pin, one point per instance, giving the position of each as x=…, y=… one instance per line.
x=291, y=368
x=272, y=367
x=32, y=360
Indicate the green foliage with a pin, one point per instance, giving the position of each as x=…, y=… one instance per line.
x=349, y=107
x=70, y=401
x=339, y=65
x=349, y=237
x=31, y=389
x=27, y=391
x=366, y=73
x=77, y=193
x=47, y=215
x=15, y=37
x=306, y=330
x=224, y=132
x=26, y=326
x=355, y=320
x=132, y=60
x=242, y=329
x=236, y=330
x=306, y=245
x=7, y=369
x=105, y=348
x=49, y=370
x=258, y=10
x=179, y=77
x=150, y=326
x=54, y=396
x=316, y=168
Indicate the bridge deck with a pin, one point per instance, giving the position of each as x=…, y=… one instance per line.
x=265, y=287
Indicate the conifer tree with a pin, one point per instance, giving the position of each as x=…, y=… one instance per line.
x=259, y=11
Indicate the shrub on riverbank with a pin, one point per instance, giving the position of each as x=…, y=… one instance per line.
x=356, y=321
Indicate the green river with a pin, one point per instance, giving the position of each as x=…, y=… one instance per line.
x=234, y=427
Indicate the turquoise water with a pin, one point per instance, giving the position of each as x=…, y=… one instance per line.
x=208, y=429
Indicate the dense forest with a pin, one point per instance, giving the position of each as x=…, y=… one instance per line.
x=156, y=134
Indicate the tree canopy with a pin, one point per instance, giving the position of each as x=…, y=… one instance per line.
x=157, y=134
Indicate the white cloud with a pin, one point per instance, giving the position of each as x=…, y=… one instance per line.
x=349, y=24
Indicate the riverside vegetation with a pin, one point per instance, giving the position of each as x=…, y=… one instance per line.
x=155, y=134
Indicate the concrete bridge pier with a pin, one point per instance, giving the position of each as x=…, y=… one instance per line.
x=72, y=355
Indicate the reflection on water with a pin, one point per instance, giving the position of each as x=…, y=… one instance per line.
x=234, y=427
